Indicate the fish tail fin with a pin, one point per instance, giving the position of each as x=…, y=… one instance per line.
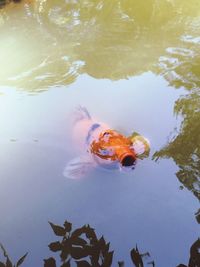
x=81, y=113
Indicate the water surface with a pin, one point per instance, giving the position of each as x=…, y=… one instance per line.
x=135, y=67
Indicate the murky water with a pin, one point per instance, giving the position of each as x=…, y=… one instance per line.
x=134, y=65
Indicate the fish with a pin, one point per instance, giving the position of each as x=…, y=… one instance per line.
x=102, y=146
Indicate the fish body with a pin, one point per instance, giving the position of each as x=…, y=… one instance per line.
x=102, y=146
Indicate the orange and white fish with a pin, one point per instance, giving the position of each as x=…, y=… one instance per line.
x=103, y=146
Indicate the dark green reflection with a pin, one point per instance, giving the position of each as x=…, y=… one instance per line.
x=180, y=66
x=184, y=148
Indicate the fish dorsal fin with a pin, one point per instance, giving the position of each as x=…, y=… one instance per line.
x=140, y=145
x=81, y=113
x=79, y=167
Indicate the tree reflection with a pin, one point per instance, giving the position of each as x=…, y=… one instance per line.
x=185, y=147
x=106, y=39
x=180, y=66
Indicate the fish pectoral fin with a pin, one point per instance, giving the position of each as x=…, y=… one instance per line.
x=140, y=145
x=78, y=167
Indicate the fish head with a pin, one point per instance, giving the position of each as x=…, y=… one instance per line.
x=113, y=146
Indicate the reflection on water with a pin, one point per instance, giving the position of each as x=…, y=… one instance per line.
x=184, y=148
x=148, y=49
x=180, y=66
x=6, y=2
x=114, y=39
x=8, y=262
x=83, y=248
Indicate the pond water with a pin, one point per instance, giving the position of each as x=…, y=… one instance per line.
x=134, y=65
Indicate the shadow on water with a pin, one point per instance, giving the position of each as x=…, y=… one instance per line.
x=83, y=248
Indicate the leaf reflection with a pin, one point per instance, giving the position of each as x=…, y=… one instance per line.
x=91, y=251
x=82, y=247
x=8, y=262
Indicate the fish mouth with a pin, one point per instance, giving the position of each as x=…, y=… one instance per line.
x=128, y=160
